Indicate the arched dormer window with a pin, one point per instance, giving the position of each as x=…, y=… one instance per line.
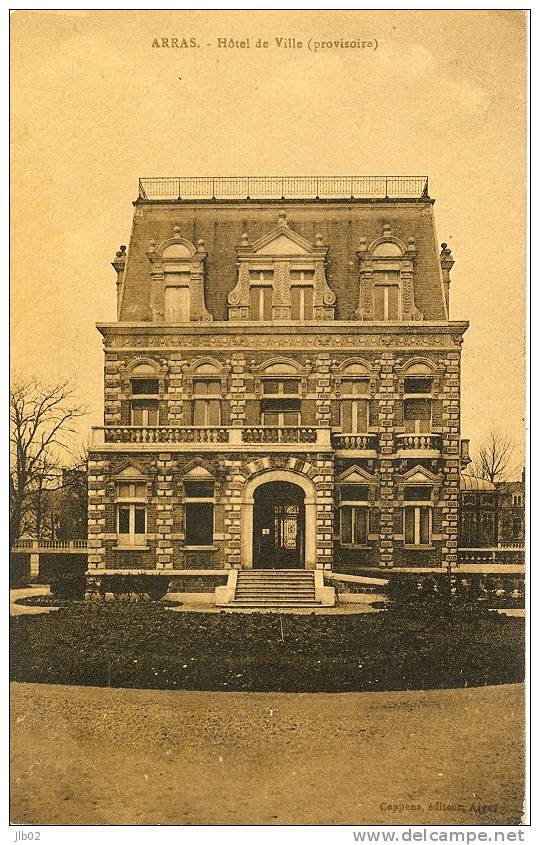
x=177, y=273
x=281, y=276
x=386, y=289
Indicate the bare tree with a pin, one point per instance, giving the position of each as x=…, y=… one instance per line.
x=494, y=459
x=41, y=430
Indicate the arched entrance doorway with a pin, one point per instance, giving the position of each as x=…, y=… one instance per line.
x=280, y=488
x=278, y=526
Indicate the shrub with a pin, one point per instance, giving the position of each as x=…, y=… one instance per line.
x=154, y=586
x=69, y=586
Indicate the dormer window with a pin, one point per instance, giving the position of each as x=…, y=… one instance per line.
x=260, y=295
x=177, y=274
x=386, y=290
x=302, y=294
x=177, y=299
x=386, y=304
x=281, y=276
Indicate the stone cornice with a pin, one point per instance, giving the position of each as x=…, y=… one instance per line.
x=346, y=335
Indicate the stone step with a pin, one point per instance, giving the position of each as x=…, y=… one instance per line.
x=275, y=603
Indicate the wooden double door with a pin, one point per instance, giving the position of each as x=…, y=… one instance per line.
x=278, y=526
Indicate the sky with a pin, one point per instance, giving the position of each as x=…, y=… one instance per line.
x=94, y=106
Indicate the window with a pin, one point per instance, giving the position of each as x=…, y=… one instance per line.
x=144, y=412
x=144, y=408
x=354, y=406
x=354, y=514
x=417, y=384
x=199, y=513
x=280, y=412
x=301, y=294
x=177, y=304
x=281, y=387
x=131, y=513
x=206, y=402
x=517, y=500
x=386, y=296
x=417, y=416
x=516, y=528
x=260, y=295
x=417, y=525
x=417, y=517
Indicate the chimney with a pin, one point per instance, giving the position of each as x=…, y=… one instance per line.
x=464, y=456
x=447, y=262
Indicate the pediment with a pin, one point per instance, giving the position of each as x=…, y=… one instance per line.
x=130, y=472
x=198, y=472
x=356, y=475
x=282, y=244
x=419, y=475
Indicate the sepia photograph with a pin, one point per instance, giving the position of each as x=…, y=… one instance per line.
x=269, y=482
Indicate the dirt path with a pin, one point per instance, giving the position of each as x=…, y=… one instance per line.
x=84, y=755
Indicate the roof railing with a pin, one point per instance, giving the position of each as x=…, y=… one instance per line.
x=178, y=188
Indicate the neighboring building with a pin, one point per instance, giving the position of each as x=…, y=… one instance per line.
x=491, y=514
x=282, y=383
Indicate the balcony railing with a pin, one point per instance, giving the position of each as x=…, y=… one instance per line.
x=282, y=187
x=366, y=442
x=166, y=434
x=282, y=434
x=419, y=442
x=508, y=556
x=35, y=544
x=209, y=434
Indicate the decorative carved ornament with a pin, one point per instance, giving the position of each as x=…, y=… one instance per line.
x=177, y=259
x=281, y=251
x=390, y=254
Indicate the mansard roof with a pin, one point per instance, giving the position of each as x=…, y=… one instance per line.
x=342, y=226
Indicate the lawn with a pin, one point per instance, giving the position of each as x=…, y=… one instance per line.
x=144, y=645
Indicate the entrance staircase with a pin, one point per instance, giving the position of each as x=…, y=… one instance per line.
x=275, y=588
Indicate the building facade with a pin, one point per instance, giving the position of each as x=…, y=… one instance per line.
x=491, y=514
x=282, y=381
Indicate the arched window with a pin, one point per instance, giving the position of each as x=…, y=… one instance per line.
x=144, y=395
x=418, y=399
x=207, y=389
x=130, y=500
x=386, y=290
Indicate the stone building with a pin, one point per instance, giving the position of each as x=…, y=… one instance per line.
x=282, y=381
